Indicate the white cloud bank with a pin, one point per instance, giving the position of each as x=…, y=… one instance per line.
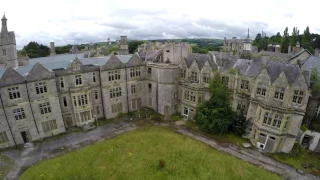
x=83, y=21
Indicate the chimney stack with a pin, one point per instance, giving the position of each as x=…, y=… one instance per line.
x=52, y=49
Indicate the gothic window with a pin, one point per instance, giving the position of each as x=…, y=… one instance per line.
x=241, y=106
x=244, y=84
x=277, y=121
x=74, y=101
x=3, y=137
x=82, y=100
x=133, y=88
x=114, y=75
x=149, y=87
x=61, y=83
x=297, y=97
x=14, y=92
x=95, y=94
x=41, y=87
x=65, y=101
x=78, y=80
x=183, y=73
x=267, y=118
x=194, y=76
x=135, y=72
x=45, y=108
x=19, y=114
x=225, y=80
x=189, y=96
x=115, y=92
x=94, y=77
x=206, y=77
x=49, y=125
x=149, y=71
x=261, y=90
x=115, y=108
x=4, y=52
x=279, y=94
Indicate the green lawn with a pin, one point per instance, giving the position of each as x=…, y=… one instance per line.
x=147, y=153
x=5, y=165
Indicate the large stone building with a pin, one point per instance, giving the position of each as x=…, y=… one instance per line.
x=54, y=93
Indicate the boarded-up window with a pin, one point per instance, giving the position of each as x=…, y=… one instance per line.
x=49, y=125
x=3, y=137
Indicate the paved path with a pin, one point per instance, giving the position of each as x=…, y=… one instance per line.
x=33, y=154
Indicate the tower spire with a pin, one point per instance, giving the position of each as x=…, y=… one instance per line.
x=248, y=33
x=4, y=28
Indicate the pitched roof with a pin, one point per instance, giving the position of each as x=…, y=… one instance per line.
x=135, y=60
x=292, y=71
x=38, y=72
x=297, y=54
x=200, y=60
x=112, y=63
x=279, y=55
x=11, y=77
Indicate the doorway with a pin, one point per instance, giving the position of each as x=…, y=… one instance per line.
x=24, y=135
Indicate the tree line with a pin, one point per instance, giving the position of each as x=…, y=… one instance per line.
x=306, y=39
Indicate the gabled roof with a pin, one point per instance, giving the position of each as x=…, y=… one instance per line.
x=274, y=69
x=200, y=60
x=113, y=63
x=291, y=71
x=135, y=60
x=38, y=72
x=11, y=77
x=302, y=51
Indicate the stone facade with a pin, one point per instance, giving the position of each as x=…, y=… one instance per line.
x=167, y=78
x=8, y=52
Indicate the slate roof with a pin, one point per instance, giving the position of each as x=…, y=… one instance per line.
x=11, y=77
x=200, y=60
x=310, y=63
x=113, y=63
x=300, y=52
x=39, y=72
x=292, y=71
x=248, y=67
x=282, y=56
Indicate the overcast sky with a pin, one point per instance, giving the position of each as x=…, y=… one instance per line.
x=83, y=21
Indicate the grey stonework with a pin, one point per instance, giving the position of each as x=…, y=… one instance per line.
x=167, y=78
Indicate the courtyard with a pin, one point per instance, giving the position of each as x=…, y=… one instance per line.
x=147, y=153
x=143, y=145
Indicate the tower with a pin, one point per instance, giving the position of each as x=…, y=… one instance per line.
x=52, y=49
x=4, y=28
x=124, y=50
x=247, y=51
x=8, y=51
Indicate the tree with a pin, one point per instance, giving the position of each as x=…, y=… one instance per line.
x=34, y=50
x=306, y=39
x=239, y=124
x=133, y=46
x=285, y=41
x=113, y=48
x=216, y=116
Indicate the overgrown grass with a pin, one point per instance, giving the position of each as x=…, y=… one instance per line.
x=227, y=138
x=298, y=157
x=147, y=153
x=5, y=165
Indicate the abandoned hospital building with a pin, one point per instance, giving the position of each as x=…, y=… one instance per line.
x=43, y=97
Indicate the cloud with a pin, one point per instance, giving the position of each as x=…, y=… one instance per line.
x=82, y=21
